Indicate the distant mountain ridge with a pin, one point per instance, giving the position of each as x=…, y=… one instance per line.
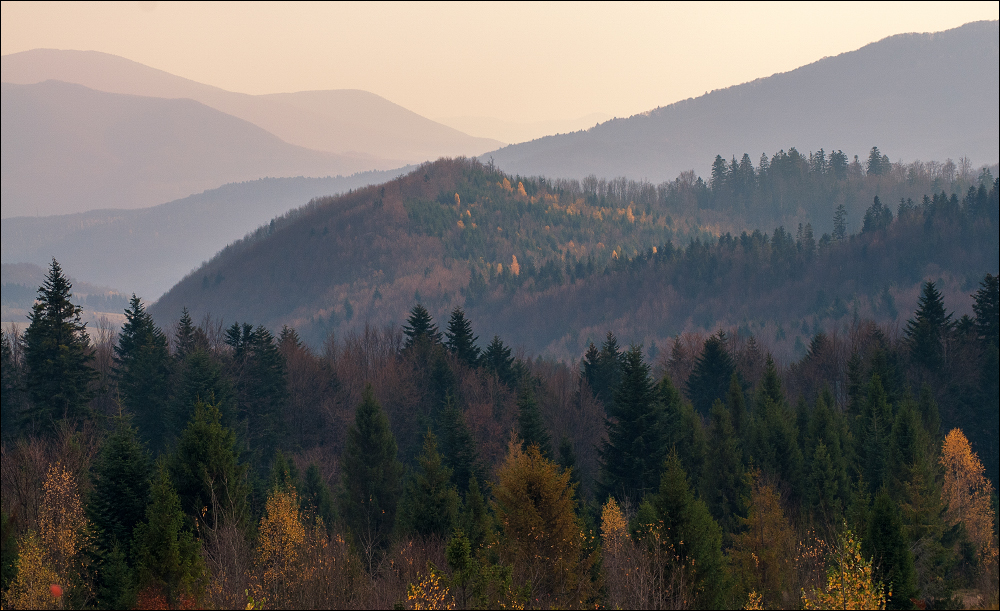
x=920, y=96
x=343, y=121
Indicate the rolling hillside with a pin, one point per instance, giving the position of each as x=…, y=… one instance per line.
x=921, y=96
x=67, y=148
x=344, y=121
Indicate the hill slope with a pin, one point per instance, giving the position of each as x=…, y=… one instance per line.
x=67, y=148
x=340, y=121
x=543, y=263
x=149, y=250
x=921, y=96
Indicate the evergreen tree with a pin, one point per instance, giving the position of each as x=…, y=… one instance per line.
x=887, y=545
x=120, y=495
x=828, y=486
x=724, y=481
x=529, y=420
x=840, y=223
x=876, y=426
x=430, y=500
x=211, y=482
x=567, y=461
x=370, y=478
x=877, y=217
x=10, y=389
x=927, y=330
x=691, y=535
x=142, y=368
x=736, y=404
x=633, y=453
x=199, y=378
x=317, y=498
x=987, y=309
x=774, y=439
x=710, y=377
x=460, y=340
x=420, y=327
x=57, y=355
x=475, y=518
x=261, y=388
x=168, y=556
x=682, y=430
x=498, y=360
x=186, y=338
x=458, y=448
x=284, y=474
x=603, y=369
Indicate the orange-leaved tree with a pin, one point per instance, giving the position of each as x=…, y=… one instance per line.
x=966, y=491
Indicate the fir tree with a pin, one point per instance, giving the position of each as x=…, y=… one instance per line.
x=475, y=518
x=682, y=430
x=199, y=378
x=370, y=478
x=460, y=340
x=317, y=498
x=927, y=330
x=987, y=309
x=840, y=223
x=498, y=360
x=57, y=354
x=724, y=481
x=211, y=482
x=430, y=501
x=261, y=388
x=886, y=544
x=121, y=476
x=633, y=453
x=168, y=556
x=774, y=439
x=458, y=448
x=567, y=460
x=876, y=426
x=604, y=374
x=186, y=338
x=420, y=327
x=711, y=375
x=736, y=403
x=529, y=420
x=142, y=368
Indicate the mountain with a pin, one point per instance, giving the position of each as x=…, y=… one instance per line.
x=147, y=251
x=920, y=96
x=344, y=121
x=67, y=148
x=552, y=264
x=522, y=131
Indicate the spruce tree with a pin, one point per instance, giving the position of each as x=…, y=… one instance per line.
x=567, y=460
x=458, y=448
x=168, y=555
x=199, y=377
x=633, y=453
x=142, y=369
x=497, y=359
x=876, y=425
x=475, y=518
x=460, y=340
x=430, y=501
x=261, y=389
x=531, y=428
x=692, y=536
x=317, y=498
x=736, y=404
x=121, y=476
x=370, y=479
x=724, y=480
x=605, y=375
x=211, y=482
x=682, y=430
x=987, y=309
x=57, y=355
x=928, y=329
x=774, y=439
x=420, y=327
x=185, y=340
x=710, y=377
x=887, y=545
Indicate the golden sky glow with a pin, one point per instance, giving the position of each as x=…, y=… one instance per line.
x=517, y=62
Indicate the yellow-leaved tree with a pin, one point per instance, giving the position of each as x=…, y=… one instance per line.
x=966, y=491
x=31, y=587
x=850, y=583
x=542, y=537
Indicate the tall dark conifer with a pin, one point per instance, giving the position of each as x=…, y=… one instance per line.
x=420, y=325
x=928, y=329
x=710, y=378
x=460, y=339
x=531, y=427
x=142, y=367
x=57, y=355
x=497, y=359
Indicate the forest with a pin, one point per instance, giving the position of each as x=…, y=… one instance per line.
x=458, y=233
x=214, y=465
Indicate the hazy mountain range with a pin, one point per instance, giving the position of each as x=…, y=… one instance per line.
x=915, y=96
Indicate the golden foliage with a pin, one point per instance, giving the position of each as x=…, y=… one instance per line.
x=61, y=520
x=763, y=555
x=506, y=185
x=542, y=536
x=966, y=491
x=614, y=528
x=520, y=188
x=850, y=583
x=515, y=268
x=754, y=602
x=31, y=587
x=429, y=593
x=458, y=200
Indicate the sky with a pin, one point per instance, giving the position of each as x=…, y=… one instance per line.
x=509, y=61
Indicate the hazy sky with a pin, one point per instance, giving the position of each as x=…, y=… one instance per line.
x=518, y=62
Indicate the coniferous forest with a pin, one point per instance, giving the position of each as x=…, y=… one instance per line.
x=206, y=463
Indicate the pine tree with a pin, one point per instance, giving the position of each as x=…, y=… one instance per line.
x=430, y=501
x=211, y=482
x=529, y=420
x=498, y=360
x=168, y=556
x=420, y=325
x=724, y=480
x=928, y=329
x=57, y=355
x=370, y=478
x=142, y=369
x=711, y=375
x=633, y=453
x=461, y=342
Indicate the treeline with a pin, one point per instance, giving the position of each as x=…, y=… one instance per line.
x=227, y=466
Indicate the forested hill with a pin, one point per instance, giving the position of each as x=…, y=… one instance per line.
x=551, y=265
x=923, y=96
